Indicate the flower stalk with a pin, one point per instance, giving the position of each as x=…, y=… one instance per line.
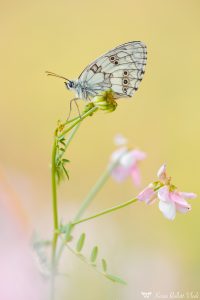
x=106, y=211
x=86, y=202
x=80, y=119
x=55, y=216
x=95, y=189
x=57, y=137
x=54, y=201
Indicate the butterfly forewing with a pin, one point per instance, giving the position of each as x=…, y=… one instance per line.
x=120, y=69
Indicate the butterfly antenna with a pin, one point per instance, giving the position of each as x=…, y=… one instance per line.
x=56, y=75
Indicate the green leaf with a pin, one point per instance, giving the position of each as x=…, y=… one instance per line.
x=80, y=243
x=104, y=265
x=58, y=162
x=65, y=171
x=61, y=138
x=115, y=279
x=62, y=142
x=65, y=160
x=94, y=254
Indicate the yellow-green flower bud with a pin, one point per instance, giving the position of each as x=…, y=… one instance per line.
x=105, y=101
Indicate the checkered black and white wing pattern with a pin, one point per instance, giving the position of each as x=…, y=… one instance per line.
x=120, y=69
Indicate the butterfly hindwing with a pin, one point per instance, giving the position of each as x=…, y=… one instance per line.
x=120, y=69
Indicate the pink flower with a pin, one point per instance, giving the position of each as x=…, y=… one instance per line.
x=170, y=199
x=173, y=201
x=148, y=195
x=128, y=162
x=161, y=174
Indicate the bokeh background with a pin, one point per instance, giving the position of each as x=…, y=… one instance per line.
x=150, y=252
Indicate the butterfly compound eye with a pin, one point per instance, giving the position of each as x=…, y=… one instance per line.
x=69, y=84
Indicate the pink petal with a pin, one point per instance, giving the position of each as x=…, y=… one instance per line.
x=120, y=173
x=135, y=174
x=183, y=209
x=139, y=155
x=146, y=195
x=168, y=209
x=161, y=174
x=128, y=159
x=188, y=195
x=152, y=200
x=132, y=157
x=176, y=197
x=118, y=153
x=164, y=194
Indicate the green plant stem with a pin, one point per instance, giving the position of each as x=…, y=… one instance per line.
x=86, y=202
x=95, y=189
x=54, y=201
x=72, y=135
x=75, y=125
x=88, y=113
x=71, y=120
x=83, y=259
x=54, y=192
x=55, y=217
x=106, y=211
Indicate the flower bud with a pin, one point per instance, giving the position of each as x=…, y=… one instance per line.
x=105, y=101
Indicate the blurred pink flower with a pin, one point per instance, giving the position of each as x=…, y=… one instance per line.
x=128, y=162
x=19, y=276
x=170, y=199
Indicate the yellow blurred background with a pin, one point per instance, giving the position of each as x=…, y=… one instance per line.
x=162, y=119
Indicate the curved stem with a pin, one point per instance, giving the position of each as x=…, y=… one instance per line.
x=75, y=125
x=89, y=112
x=72, y=135
x=86, y=202
x=106, y=211
x=55, y=217
x=95, y=189
x=54, y=200
x=71, y=120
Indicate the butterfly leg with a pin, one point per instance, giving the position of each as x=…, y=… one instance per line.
x=70, y=110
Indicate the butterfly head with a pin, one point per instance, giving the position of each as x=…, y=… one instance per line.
x=70, y=84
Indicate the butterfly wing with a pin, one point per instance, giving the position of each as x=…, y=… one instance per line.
x=120, y=69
